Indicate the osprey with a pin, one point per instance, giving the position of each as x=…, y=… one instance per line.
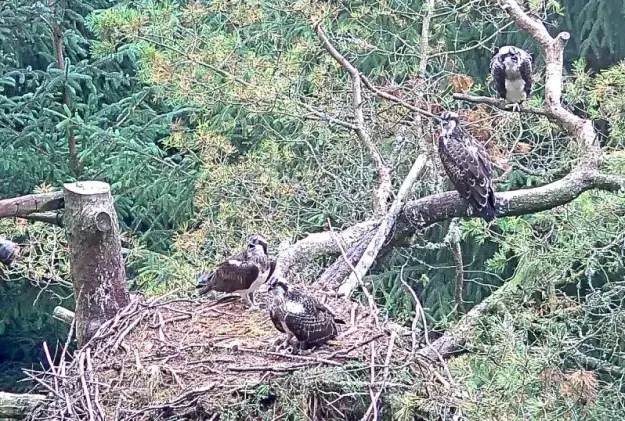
x=242, y=273
x=511, y=68
x=300, y=315
x=468, y=165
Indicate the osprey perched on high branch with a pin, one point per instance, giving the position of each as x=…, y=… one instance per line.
x=468, y=165
x=511, y=68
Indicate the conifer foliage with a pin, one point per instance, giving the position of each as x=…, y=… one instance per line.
x=67, y=113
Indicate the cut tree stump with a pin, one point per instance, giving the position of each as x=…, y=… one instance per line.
x=96, y=262
x=18, y=405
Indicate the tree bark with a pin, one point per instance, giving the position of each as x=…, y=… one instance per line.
x=25, y=205
x=96, y=263
x=18, y=405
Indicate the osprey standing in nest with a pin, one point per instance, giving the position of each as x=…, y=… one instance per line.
x=242, y=273
x=468, y=165
x=300, y=315
x=511, y=68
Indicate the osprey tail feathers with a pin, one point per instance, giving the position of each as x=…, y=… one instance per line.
x=488, y=212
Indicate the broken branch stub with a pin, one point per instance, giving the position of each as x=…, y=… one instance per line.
x=96, y=262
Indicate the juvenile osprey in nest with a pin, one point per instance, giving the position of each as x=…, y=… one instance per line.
x=511, y=68
x=300, y=315
x=242, y=273
x=468, y=165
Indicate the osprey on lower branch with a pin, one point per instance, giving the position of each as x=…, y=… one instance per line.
x=297, y=314
x=468, y=165
x=511, y=68
x=242, y=273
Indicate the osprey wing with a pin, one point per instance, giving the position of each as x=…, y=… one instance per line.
x=230, y=276
x=312, y=325
x=499, y=76
x=526, y=72
x=468, y=166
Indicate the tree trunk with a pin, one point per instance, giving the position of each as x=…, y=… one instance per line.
x=18, y=405
x=96, y=263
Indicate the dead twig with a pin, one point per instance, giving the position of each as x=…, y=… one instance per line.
x=384, y=229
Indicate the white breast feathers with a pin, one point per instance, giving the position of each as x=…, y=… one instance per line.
x=294, y=307
x=515, y=90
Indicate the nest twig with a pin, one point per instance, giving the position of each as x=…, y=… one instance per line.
x=159, y=359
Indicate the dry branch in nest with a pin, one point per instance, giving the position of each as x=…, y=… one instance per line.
x=200, y=359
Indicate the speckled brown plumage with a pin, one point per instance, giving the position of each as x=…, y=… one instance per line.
x=467, y=165
x=242, y=273
x=297, y=314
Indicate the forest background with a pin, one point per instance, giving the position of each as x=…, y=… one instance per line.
x=215, y=119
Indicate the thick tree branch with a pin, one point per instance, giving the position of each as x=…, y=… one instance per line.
x=25, y=205
x=294, y=258
x=440, y=207
x=384, y=179
x=18, y=405
x=420, y=213
x=63, y=314
x=582, y=178
x=384, y=229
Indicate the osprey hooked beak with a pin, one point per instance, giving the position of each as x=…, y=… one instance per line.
x=511, y=58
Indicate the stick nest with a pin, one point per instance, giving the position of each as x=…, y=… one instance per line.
x=213, y=360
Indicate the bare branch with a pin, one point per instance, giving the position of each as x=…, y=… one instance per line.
x=395, y=99
x=384, y=229
x=25, y=205
x=501, y=104
x=54, y=218
x=339, y=270
x=384, y=172
x=294, y=258
x=553, y=52
x=420, y=213
x=586, y=176
x=63, y=314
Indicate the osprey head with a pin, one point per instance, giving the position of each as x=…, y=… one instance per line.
x=278, y=287
x=256, y=244
x=449, y=121
x=510, y=57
